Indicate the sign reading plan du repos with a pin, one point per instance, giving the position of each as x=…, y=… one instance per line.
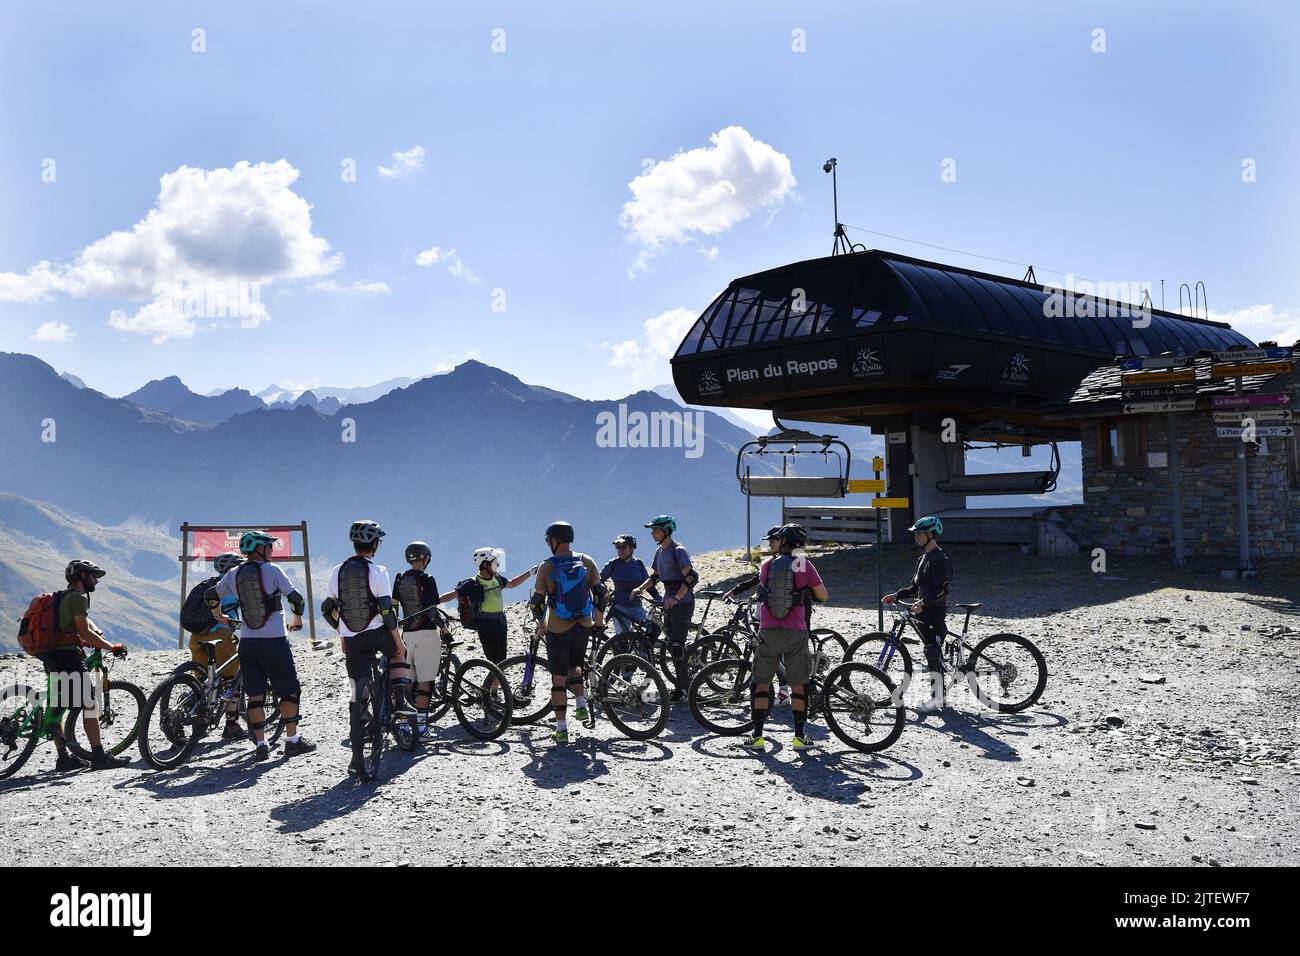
x=805, y=368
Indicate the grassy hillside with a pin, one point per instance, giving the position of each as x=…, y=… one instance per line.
x=136, y=603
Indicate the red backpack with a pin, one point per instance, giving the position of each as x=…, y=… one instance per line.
x=38, y=629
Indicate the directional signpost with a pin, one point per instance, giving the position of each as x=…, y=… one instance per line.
x=1281, y=400
x=1181, y=376
x=1141, y=408
x=1261, y=431
x=1156, y=393
x=1281, y=416
x=1252, y=355
x=1250, y=368
x=1159, y=361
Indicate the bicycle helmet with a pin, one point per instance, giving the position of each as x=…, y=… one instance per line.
x=929, y=524
x=365, y=532
x=224, y=562
x=773, y=532
x=663, y=522
x=78, y=568
x=561, y=531
x=490, y=555
x=792, y=536
x=250, y=541
x=417, y=550
x=625, y=540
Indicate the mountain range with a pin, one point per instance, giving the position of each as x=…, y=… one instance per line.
x=463, y=459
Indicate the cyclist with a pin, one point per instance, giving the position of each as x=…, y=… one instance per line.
x=786, y=581
x=929, y=586
x=486, y=587
x=773, y=546
x=66, y=665
x=265, y=657
x=627, y=572
x=198, y=619
x=417, y=592
x=671, y=566
x=360, y=605
x=568, y=604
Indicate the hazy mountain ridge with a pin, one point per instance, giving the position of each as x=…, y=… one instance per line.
x=137, y=603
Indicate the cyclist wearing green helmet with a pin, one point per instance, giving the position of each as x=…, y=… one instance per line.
x=672, y=568
x=930, y=586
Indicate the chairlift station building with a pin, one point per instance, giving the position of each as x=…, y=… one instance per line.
x=902, y=345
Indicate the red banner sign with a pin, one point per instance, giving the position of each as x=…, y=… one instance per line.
x=206, y=545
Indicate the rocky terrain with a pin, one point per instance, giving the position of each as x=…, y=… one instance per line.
x=1166, y=736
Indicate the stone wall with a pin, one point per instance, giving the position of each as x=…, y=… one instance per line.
x=1128, y=511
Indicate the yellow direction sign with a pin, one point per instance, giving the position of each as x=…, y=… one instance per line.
x=858, y=486
x=1152, y=378
x=1250, y=368
x=877, y=464
x=889, y=502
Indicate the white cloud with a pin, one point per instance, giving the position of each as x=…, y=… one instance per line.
x=364, y=288
x=213, y=239
x=455, y=264
x=1264, y=323
x=404, y=163
x=647, y=357
x=705, y=191
x=54, y=332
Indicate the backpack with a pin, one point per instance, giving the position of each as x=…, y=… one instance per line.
x=38, y=628
x=469, y=596
x=196, y=616
x=572, y=596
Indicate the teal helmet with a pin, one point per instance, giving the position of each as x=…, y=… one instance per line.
x=250, y=541
x=664, y=522
x=929, y=524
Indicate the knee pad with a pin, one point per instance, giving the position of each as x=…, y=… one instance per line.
x=289, y=699
x=802, y=698
x=259, y=701
x=574, y=681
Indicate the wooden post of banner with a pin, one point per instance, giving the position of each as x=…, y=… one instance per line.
x=306, y=563
x=185, y=574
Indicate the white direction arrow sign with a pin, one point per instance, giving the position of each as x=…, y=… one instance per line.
x=1282, y=415
x=1261, y=431
x=1135, y=408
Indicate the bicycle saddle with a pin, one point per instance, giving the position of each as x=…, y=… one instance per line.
x=967, y=607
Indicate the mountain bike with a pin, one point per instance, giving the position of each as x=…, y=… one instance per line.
x=627, y=687
x=26, y=719
x=1005, y=672
x=475, y=689
x=192, y=702
x=856, y=699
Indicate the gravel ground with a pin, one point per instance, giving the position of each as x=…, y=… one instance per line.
x=1166, y=736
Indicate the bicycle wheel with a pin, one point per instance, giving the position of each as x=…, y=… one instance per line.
x=634, y=696
x=174, y=718
x=700, y=652
x=1006, y=672
x=832, y=648
x=851, y=703
x=719, y=697
x=120, y=713
x=874, y=649
x=480, y=694
x=532, y=699
x=20, y=718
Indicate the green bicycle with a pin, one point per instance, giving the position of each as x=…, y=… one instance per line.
x=26, y=719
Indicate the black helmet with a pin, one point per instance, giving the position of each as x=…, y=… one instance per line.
x=365, y=532
x=773, y=532
x=78, y=567
x=418, y=549
x=792, y=536
x=224, y=562
x=625, y=539
x=561, y=531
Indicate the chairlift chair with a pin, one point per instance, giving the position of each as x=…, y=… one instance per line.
x=793, y=442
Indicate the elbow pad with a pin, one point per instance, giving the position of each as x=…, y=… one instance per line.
x=330, y=609
x=537, y=605
x=296, y=602
x=599, y=595
x=213, y=599
x=386, y=612
x=691, y=579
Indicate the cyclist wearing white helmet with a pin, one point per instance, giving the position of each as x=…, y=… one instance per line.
x=485, y=590
x=930, y=585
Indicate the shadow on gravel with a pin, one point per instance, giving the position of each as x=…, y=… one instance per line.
x=339, y=800
x=554, y=766
x=840, y=776
x=1279, y=605
x=974, y=729
x=241, y=773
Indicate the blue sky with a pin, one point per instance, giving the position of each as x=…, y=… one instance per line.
x=1120, y=166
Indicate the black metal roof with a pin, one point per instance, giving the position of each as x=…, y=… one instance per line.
x=875, y=291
